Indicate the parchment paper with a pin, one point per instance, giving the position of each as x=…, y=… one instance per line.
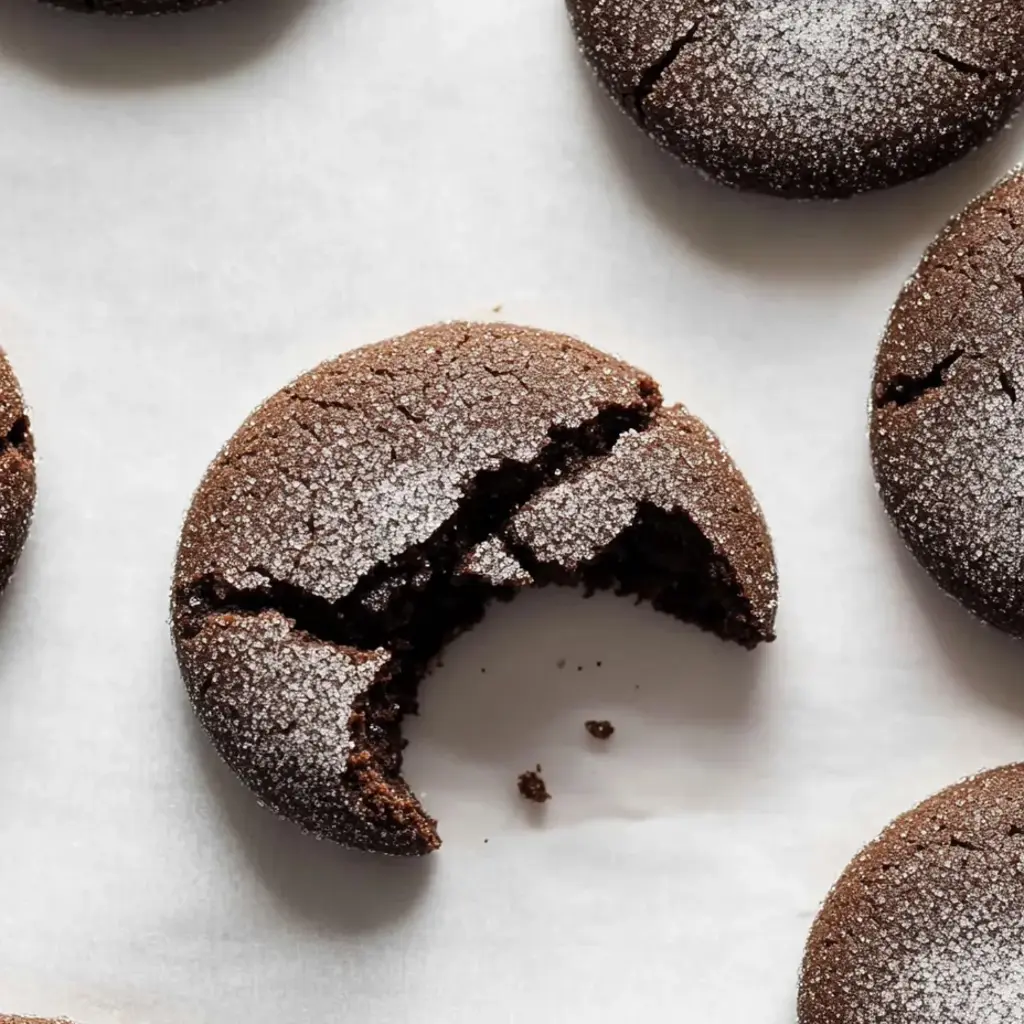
x=194, y=210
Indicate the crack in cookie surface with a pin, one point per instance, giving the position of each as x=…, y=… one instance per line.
x=905, y=388
x=654, y=73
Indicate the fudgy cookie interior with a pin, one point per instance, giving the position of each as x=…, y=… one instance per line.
x=663, y=558
x=415, y=604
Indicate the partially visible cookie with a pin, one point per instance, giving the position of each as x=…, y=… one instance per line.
x=17, y=472
x=947, y=418
x=818, y=98
x=371, y=510
x=119, y=7
x=5, y=1019
x=925, y=926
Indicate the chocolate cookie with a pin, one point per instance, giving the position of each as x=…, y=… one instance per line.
x=925, y=926
x=121, y=7
x=17, y=472
x=947, y=429
x=370, y=511
x=821, y=98
x=5, y=1019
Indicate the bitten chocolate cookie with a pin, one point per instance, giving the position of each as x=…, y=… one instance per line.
x=372, y=509
x=821, y=98
x=17, y=472
x=947, y=421
x=925, y=926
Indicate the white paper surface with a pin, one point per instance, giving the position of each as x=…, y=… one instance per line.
x=193, y=211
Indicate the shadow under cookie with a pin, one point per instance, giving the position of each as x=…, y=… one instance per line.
x=143, y=52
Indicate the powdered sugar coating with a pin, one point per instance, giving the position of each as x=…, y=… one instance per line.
x=258, y=684
x=947, y=428
x=493, y=562
x=925, y=926
x=980, y=979
x=810, y=97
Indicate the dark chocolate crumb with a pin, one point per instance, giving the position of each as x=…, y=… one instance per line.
x=532, y=787
x=600, y=730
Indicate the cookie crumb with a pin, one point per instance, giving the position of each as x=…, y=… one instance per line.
x=532, y=787
x=600, y=730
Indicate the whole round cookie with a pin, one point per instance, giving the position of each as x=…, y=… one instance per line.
x=819, y=98
x=17, y=472
x=947, y=428
x=372, y=509
x=925, y=926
